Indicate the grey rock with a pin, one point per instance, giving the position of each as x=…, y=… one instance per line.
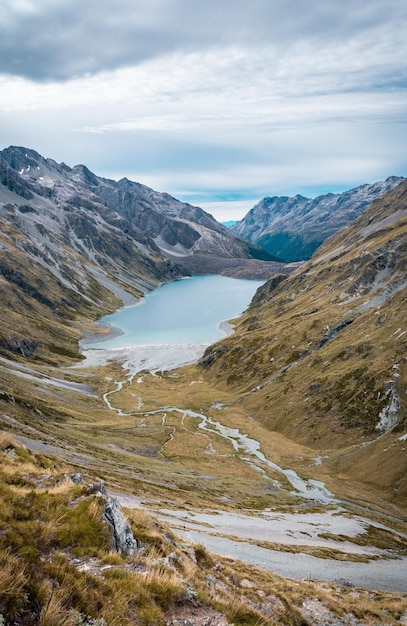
x=122, y=535
x=292, y=228
x=344, y=583
x=10, y=452
x=123, y=540
x=331, y=333
x=107, y=220
x=77, y=478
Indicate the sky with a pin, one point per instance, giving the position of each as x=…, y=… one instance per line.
x=218, y=103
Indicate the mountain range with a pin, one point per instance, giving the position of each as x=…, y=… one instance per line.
x=293, y=228
x=309, y=390
x=323, y=345
x=73, y=243
x=74, y=246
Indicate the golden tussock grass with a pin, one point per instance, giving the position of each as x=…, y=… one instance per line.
x=13, y=578
x=38, y=576
x=55, y=611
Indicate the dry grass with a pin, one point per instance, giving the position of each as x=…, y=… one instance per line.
x=41, y=585
x=274, y=382
x=140, y=454
x=329, y=394
x=55, y=612
x=13, y=579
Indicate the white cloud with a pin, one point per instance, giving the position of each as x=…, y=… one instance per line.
x=229, y=210
x=215, y=99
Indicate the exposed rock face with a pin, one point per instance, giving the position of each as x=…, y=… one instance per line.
x=390, y=415
x=122, y=536
x=265, y=290
x=293, y=228
x=102, y=216
x=74, y=244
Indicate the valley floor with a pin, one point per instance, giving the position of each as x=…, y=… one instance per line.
x=171, y=443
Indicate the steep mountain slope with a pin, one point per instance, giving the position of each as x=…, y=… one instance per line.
x=293, y=228
x=321, y=355
x=72, y=246
x=75, y=245
x=157, y=221
x=62, y=256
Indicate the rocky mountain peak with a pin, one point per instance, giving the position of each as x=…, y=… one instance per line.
x=73, y=241
x=292, y=228
x=82, y=174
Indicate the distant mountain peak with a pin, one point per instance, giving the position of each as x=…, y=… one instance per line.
x=292, y=228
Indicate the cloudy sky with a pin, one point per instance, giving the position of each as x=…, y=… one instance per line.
x=215, y=101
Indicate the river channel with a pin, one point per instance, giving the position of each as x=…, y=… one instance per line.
x=172, y=327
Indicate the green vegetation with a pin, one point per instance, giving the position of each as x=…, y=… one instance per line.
x=321, y=357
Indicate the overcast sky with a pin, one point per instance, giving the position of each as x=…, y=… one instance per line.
x=214, y=100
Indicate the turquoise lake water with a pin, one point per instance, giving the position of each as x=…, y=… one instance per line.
x=182, y=312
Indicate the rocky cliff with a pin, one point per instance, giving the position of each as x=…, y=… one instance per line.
x=293, y=228
x=92, y=208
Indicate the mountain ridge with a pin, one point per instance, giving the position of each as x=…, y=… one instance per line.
x=74, y=246
x=176, y=227
x=314, y=378
x=292, y=228
x=320, y=355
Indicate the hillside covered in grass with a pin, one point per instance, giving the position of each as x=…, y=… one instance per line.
x=309, y=391
x=321, y=355
x=74, y=246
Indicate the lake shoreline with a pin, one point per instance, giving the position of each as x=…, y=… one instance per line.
x=187, y=312
x=102, y=331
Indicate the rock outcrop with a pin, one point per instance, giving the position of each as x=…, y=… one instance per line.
x=122, y=536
